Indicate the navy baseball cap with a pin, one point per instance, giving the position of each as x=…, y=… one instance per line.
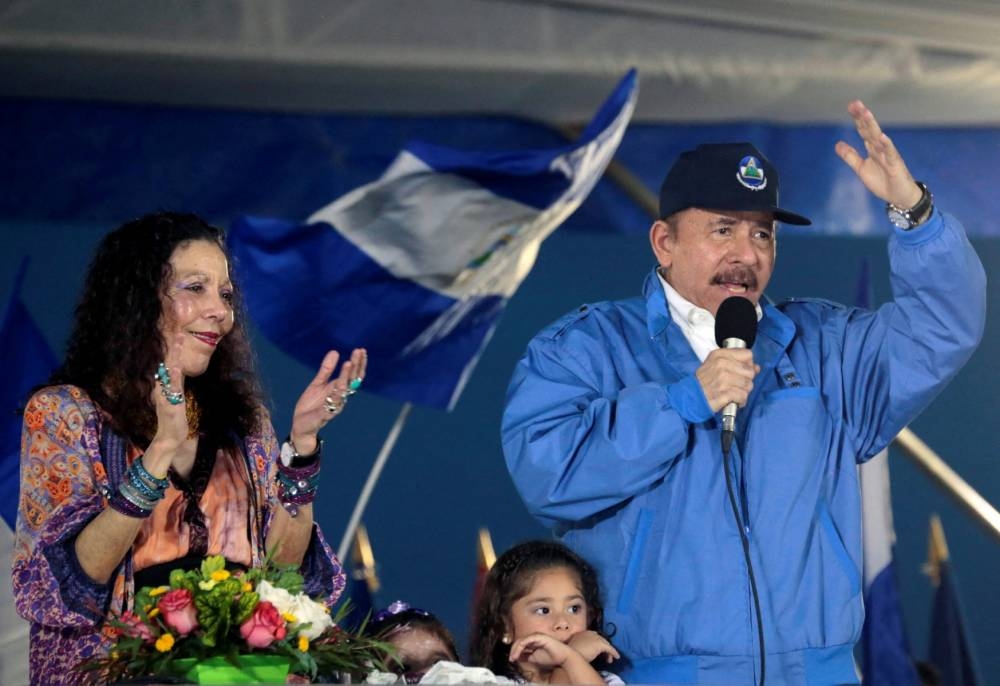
x=724, y=176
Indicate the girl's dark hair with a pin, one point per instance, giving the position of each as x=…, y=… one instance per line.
x=386, y=624
x=116, y=343
x=509, y=580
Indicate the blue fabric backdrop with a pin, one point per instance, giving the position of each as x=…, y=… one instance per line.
x=85, y=161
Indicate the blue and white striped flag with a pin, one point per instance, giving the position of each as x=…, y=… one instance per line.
x=887, y=657
x=418, y=266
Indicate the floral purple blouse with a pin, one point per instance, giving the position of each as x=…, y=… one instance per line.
x=68, y=468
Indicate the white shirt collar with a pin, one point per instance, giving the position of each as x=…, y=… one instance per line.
x=697, y=323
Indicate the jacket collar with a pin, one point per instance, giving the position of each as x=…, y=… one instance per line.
x=774, y=332
x=657, y=313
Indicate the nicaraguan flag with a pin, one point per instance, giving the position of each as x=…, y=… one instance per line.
x=28, y=361
x=887, y=658
x=418, y=265
x=950, y=646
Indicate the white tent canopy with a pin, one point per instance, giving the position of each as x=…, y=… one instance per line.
x=917, y=61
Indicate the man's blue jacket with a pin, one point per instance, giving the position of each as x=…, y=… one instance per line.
x=610, y=441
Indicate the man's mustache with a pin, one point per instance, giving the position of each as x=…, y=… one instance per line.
x=737, y=275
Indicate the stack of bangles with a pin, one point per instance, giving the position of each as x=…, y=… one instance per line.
x=139, y=492
x=297, y=485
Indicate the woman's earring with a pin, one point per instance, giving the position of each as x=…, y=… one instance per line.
x=505, y=639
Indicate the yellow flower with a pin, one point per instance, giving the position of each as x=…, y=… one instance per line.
x=303, y=643
x=247, y=586
x=220, y=575
x=159, y=590
x=164, y=643
x=115, y=655
x=152, y=613
x=207, y=585
x=289, y=617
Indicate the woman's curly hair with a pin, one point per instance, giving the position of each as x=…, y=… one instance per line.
x=509, y=580
x=116, y=343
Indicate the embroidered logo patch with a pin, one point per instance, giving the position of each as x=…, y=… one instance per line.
x=751, y=174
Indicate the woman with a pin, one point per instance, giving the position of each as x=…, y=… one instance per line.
x=150, y=449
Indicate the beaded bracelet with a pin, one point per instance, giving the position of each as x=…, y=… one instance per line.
x=139, y=492
x=121, y=504
x=153, y=494
x=138, y=469
x=297, y=486
x=128, y=503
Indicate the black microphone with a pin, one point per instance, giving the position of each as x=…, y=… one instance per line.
x=735, y=327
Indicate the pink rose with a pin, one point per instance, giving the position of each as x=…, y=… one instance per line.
x=134, y=627
x=178, y=611
x=264, y=627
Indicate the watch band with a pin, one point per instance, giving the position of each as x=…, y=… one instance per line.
x=912, y=217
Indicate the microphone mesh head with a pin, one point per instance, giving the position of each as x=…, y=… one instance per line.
x=736, y=318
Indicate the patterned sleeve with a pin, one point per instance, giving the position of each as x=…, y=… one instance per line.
x=59, y=456
x=324, y=576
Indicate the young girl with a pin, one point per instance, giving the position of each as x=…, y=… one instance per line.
x=421, y=640
x=540, y=616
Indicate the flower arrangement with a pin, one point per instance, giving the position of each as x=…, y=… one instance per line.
x=209, y=614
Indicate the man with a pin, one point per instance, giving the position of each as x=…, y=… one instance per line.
x=611, y=431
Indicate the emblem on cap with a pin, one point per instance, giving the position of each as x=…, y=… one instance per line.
x=751, y=174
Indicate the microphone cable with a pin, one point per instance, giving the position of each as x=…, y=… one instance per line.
x=726, y=464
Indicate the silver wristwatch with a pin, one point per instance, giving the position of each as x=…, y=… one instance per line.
x=289, y=453
x=907, y=219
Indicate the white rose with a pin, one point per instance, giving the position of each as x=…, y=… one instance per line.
x=308, y=611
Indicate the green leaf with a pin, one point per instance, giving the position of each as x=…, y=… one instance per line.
x=212, y=563
x=142, y=601
x=214, y=620
x=245, y=607
x=290, y=580
x=181, y=579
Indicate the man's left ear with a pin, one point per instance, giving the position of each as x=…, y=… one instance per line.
x=661, y=240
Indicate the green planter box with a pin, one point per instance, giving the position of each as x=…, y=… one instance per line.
x=253, y=669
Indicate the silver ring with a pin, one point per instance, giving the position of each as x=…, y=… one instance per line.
x=163, y=376
x=331, y=406
x=173, y=397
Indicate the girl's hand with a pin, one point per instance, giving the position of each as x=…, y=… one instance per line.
x=540, y=650
x=591, y=645
x=324, y=398
x=171, y=445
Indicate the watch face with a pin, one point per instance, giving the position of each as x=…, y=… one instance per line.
x=899, y=219
x=287, y=453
